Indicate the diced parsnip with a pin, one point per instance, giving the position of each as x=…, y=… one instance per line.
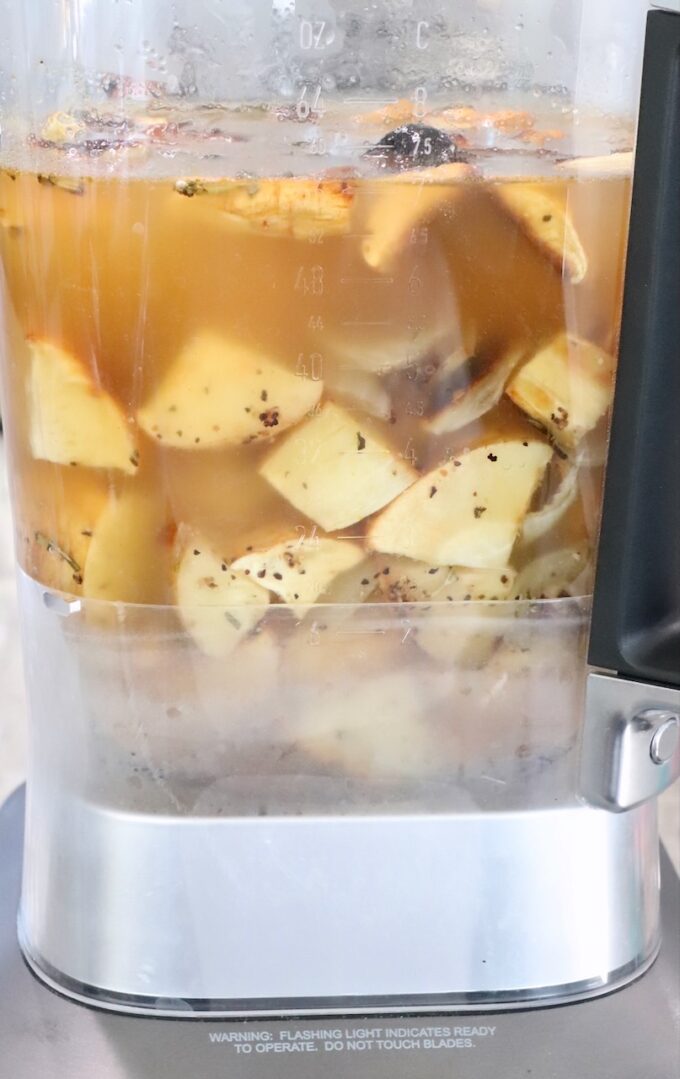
x=567, y=387
x=217, y=605
x=407, y=581
x=299, y=571
x=608, y=165
x=466, y=638
x=130, y=553
x=299, y=207
x=221, y=393
x=57, y=515
x=360, y=389
x=370, y=729
x=355, y=586
x=72, y=420
x=479, y=396
x=567, y=572
x=335, y=472
x=409, y=200
x=468, y=512
x=544, y=520
x=542, y=212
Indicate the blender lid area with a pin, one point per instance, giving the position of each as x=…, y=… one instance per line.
x=626, y=1035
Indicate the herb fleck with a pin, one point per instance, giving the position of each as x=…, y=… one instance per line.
x=270, y=418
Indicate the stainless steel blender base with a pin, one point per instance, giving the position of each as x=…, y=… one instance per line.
x=627, y=1035
x=232, y=917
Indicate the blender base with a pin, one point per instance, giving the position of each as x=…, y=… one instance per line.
x=194, y=916
x=624, y=1035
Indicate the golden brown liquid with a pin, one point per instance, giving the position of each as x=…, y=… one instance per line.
x=123, y=274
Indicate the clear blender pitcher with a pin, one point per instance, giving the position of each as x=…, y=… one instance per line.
x=311, y=316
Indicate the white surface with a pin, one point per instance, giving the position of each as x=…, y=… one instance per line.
x=12, y=702
x=12, y=705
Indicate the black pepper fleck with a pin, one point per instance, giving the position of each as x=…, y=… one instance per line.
x=270, y=418
x=433, y=491
x=361, y=441
x=479, y=510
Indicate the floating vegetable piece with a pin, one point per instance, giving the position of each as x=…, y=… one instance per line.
x=298, y=207
x=217, y=605
x=396, y=112
x=542, y=212
x=55, y=522
x=220, y=393
x=130, y=553
x=556, y=575
x=567, y=387
x=479, y=394
x=355, y=586
x=620, y=164
x=468, y=512
x=72, y=420
x=402, y=580
x=299, y=571
x=336, y=471
x=543, y=521
x=407, y=202
x=73, y=184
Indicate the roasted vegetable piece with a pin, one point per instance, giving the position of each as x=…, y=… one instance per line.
x=72, y=420
x=299, y=571
x=335, y=471
x=468, y=512
x=542, y=212
x=567, y=387
x=403, y=580
x=129, y=557
x=408, y=201
x=218, y=605
x=221, y=393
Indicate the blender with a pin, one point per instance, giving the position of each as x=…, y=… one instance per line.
x=312, y=314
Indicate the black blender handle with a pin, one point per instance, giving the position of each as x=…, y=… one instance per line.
x=636, y=616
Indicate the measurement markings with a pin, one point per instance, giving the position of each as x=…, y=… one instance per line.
x=366, y=280
x=350, y=323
